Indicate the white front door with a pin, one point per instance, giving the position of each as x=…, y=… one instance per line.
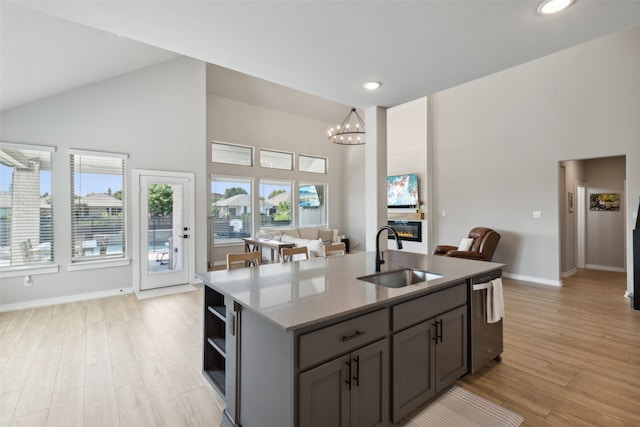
x=165, y=212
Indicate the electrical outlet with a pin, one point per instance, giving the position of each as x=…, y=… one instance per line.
x=537, y=214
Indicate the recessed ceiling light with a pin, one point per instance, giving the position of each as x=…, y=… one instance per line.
x=371, y=85
x=549, y=7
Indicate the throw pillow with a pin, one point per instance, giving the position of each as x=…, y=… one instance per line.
x=285, y=238
x=465, y=244
x=316, y=247
x=326, y=236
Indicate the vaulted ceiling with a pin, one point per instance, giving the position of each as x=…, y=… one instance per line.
x=323, y=48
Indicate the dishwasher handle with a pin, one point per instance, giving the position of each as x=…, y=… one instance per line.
x=481, y=286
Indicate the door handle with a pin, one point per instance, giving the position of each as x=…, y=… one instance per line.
x=357, y=376
x=438, y=326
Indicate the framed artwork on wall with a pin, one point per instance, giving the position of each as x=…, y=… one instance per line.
x=570, y=201
x=604, y=201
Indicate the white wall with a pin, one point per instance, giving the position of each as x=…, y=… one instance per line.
x=156, y=115
x=354, y=196
x=407, y=153
x=240, y=123
x=497, y=142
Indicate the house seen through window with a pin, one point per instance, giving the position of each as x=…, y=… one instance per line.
x=98, y=220
x=275, y=203
x=231, y=216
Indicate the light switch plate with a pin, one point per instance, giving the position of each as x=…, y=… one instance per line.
x=537, y=214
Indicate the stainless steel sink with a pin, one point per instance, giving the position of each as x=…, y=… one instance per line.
x=399, y=278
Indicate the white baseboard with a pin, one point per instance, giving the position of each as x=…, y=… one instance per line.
x=532, y=279
x=605, y=268
x=63, y=300
x=569, y=273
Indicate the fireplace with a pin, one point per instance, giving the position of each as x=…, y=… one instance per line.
x=410, y=231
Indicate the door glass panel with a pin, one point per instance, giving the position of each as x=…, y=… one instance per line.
x=164, y=231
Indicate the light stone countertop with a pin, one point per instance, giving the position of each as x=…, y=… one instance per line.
x=295, y=295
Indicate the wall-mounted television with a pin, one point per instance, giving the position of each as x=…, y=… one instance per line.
x=402, y=191
x=308, y=196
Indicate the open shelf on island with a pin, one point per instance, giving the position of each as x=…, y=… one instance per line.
x=215, y=324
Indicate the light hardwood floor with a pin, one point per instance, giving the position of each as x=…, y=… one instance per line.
x=109, y=362
x=571, y=354
x=572, y=357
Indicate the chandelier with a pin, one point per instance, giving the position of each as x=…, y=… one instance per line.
x=350, y=132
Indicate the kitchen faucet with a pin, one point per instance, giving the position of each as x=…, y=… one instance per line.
x=379, y=259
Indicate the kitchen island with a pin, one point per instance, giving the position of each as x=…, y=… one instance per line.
x=308, y=343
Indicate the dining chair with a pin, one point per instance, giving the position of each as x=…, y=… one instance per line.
x=335, y=249
x=294, y=254
x=247, y=258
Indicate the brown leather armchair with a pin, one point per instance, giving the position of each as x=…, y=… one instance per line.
x=484, y=245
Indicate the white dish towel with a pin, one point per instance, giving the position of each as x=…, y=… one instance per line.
x=495, y=301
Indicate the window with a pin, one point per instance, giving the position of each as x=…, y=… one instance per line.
x=312, y=209
x=276, y=160
x=275, y=201
x=231, y=209
x=26, y=216
x=98, y=206
x=312, y=164
x=231, y=154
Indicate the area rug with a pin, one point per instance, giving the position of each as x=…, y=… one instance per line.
x=461, y=408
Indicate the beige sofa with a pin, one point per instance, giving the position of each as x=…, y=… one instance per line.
x=313, y=237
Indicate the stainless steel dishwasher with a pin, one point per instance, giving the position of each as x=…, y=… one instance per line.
x=485, y=339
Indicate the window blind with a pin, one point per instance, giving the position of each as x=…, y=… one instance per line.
x=26, y=201
x=98, y=205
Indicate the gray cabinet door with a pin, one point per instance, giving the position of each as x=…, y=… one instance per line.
x=413, y=368
x=352, y=390
x=324, y=395
x=370, y=385
x=451, y=349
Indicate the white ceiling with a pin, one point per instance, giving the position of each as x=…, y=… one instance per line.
x=322, y=48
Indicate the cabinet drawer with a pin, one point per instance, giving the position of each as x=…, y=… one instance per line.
x=342, y=337
x=428, y=306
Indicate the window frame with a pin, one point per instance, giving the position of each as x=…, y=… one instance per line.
x=228, y=178
x=308, y=156
x=229, y=144
x=49, y=265
x=290, y=155
x=323, y=203
x=101, y=260
x=293, y=188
